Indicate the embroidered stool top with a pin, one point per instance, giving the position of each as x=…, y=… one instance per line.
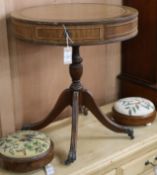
x=134, y=111
x=25, y=151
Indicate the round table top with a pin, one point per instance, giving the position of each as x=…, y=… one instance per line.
x=86, y=23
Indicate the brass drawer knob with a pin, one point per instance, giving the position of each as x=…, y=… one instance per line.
x=150, y=163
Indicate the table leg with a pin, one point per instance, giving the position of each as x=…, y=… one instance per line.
x=83, y=110
x=64, y=100
x=75, y=111
x=89, y=102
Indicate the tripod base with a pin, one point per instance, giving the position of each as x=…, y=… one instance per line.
x=78, y=98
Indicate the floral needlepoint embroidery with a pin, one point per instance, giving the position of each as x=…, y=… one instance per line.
x=134, y=106
x=24, y=144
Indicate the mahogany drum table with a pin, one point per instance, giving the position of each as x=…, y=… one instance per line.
x=86, y=24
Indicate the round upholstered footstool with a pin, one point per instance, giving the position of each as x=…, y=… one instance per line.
x=134, y=111
x=25, y=151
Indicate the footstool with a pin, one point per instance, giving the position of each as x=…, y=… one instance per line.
x=25, y=151
x=134, y=111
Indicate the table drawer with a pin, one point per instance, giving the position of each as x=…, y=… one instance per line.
x=148, y=173
x=110, y=173
x=102, y=171
x=137, y=166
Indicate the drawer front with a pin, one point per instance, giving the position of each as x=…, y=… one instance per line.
x=151, y=172
x=137, y=166
x=111, y=173
x=102, y=172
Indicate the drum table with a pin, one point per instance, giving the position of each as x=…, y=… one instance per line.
x=79, y=25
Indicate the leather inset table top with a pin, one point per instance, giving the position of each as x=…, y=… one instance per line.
x=87, y=24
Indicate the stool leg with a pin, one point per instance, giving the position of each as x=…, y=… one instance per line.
x=75, y=111
x=89, y=102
